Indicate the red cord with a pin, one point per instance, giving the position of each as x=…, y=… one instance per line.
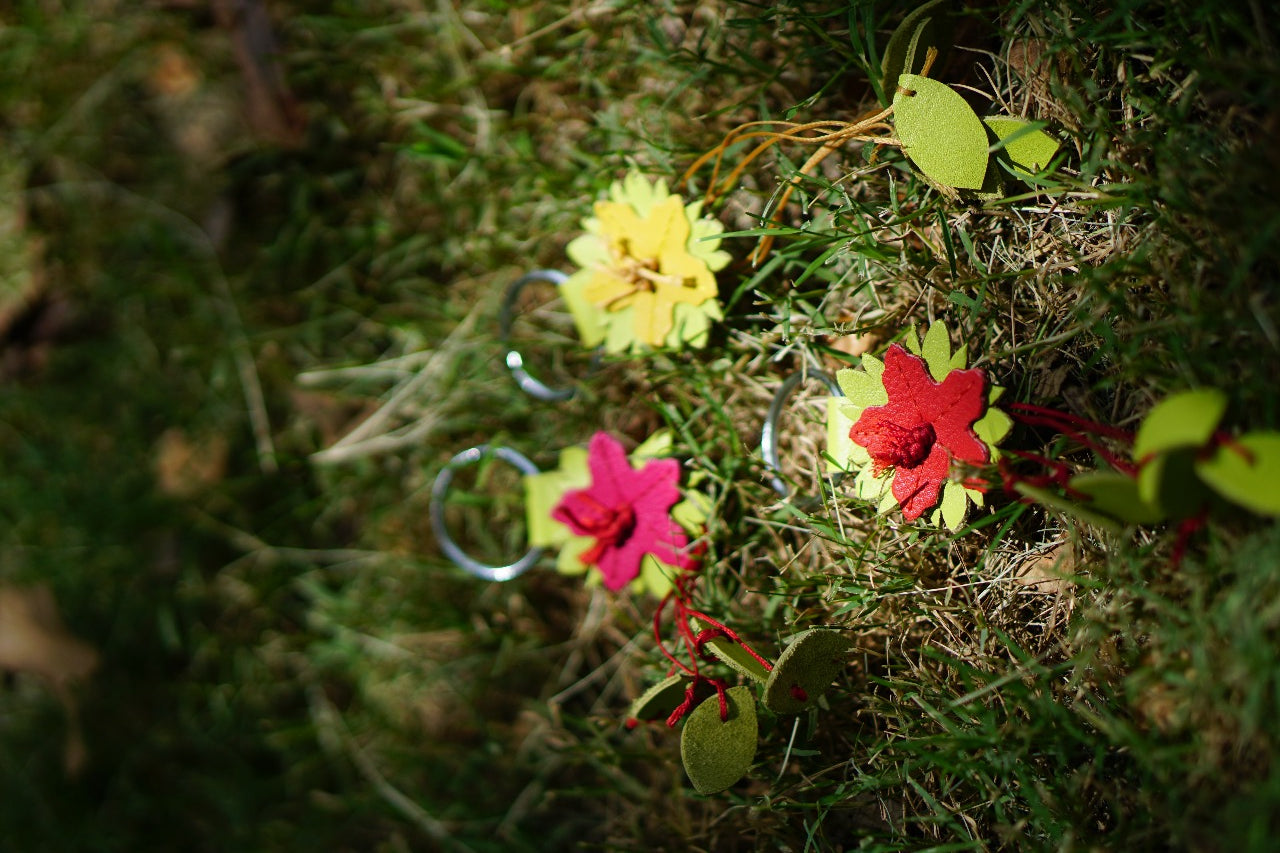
x=733, y=636
x=679, y=597
x=657, y=636
x=1186, y=529
x=1042, y=416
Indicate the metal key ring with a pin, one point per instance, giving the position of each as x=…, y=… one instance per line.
x=440, y=489
x=769, y=433
x=528, y=383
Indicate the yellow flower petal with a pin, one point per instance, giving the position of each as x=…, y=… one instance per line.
x=650, y=322
x=621, y=335
x=666, y=230
x=652, y=255
x=619, y=225
x=587, y=317
x=588, y=250
x=608, y=291
x=643, y=238
x=693, y=282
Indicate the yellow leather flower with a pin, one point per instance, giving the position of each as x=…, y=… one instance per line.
x=647, y=276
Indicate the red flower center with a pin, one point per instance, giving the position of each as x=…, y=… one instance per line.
x=610, y=526
x=901, y=447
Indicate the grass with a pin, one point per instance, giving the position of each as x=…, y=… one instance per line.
x=234, y=366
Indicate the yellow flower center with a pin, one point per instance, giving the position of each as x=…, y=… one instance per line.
x=643, y=275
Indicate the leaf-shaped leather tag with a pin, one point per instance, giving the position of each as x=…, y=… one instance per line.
x=805, y=670
x=736, y=657
x=1028, y=148
x=941, y=134
x=1246, y=471
x=661, y=699
x=1117, y=495
x=717, y=753
x=1186, y=419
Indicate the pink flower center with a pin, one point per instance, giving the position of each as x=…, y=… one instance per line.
x=610, y=526
x=901, y=447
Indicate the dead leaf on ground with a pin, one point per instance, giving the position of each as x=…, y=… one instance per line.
x=32, y=315
x=1049, y=381
x=173, y=73
x=34, y=641
x=1162, y=707
x=1029, y=58
x=330, y=415
x=186, y=466
x=1050, y=572
x=270, y=107
x=855, y=345
x=1049, y=575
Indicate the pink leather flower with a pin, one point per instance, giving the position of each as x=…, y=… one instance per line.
x=924, y=427
x=627, y=512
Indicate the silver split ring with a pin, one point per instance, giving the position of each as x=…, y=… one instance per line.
x=769, y=434
x=440, y=489
x=528, y=383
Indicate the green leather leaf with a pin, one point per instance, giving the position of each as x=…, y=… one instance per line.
x=954, y=505
x=993, y=427
x=691, y=324
x=569, y=561
x=737, y=658
x=993, y=182
x=619, y=330
x=541, y=493
x=840, y=447
x=656, y=446
x=717, y=754
x=805, y=670
x=588, y=319
x=732, y=654
x=1116, y=495
x=1247, y=472
x=1028, y=148
x=887, y=502
x=1186, y=419
x=936, y=351
x=872, y=489
x=544, y=490
x=911, y=340
x=660, y=700
x=692, y=512
x=926, y=26
x=941, y=134
x=864, y=387
x=1169, y=482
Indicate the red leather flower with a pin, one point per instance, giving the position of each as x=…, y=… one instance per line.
x=627, y=512
x=923, y=428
